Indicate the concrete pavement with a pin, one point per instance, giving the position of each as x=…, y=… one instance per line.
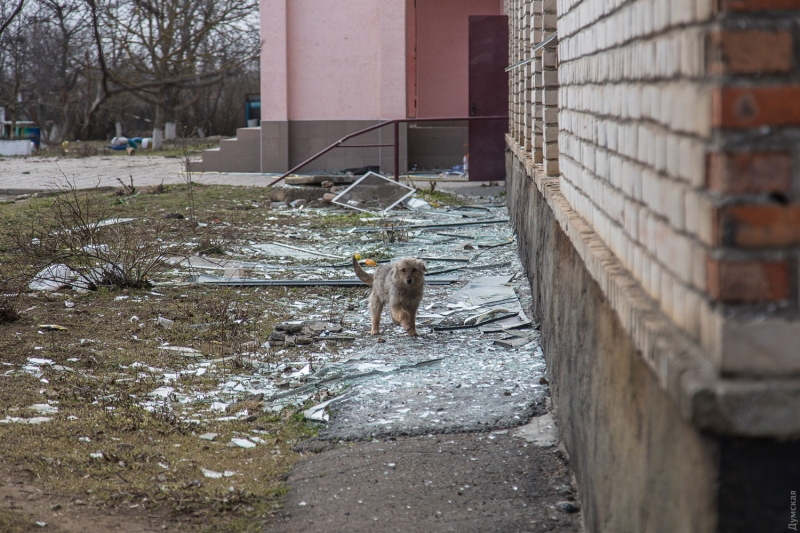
x=23, y=175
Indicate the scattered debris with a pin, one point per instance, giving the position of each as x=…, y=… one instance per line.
x=182, y=350
x=541, y=431
x=52, y=278
x=44, y=408
x=481, y=222
x=18, y=420
x=351, y=282
x=216, y=475
x=113, y=221
x=417, y=203
x=312, y=252
x=568, y=507
x=52, y=327
x=318, y=413
x=321, y=180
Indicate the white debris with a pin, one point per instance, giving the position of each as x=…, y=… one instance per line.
x=318, y=412
x=40, y=361
x=18, y=420
x=162, y=392
x=417, y=203
x=112, y=221
x=540, y=431
x=244, y=443
x=185, y=351
x=52, y=278
x=44, y=408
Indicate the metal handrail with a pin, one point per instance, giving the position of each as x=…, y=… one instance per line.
x=535, y=49
x=396, y=123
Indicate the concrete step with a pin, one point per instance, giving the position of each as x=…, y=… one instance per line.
x=243, y=153
x=211, y=160
x=249, y=134
x=238, y=154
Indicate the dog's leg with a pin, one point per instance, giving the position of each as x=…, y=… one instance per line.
x=406, y=318
x=375, y=308
x=412, y=322
x=398, y=316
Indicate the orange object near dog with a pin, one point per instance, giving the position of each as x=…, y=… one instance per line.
x=370, y=262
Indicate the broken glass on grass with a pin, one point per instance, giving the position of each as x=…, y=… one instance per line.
x=293, y=382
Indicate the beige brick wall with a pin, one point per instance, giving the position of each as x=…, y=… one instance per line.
x=635, y=125
x=672, y=128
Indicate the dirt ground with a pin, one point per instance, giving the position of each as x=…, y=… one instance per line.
x=173, y=408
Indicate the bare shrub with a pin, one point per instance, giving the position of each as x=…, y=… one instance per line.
x=76, y=229
x=187, y=158
x=10, y=286
x=14, y=276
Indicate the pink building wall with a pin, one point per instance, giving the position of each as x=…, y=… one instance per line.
x=442, y=54
x=366, y=59
x=273, y=60
x=332, y=67
x=333, y=59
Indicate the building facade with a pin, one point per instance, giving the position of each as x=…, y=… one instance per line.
x=653, y=171
x=332, y=68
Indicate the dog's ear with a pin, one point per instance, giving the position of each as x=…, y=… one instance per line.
x=422, y=266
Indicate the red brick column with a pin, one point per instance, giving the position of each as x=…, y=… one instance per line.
x=753, y=173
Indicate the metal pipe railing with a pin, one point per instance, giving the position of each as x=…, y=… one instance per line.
x=396, y=125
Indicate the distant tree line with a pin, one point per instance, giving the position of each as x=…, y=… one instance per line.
x=78, y=67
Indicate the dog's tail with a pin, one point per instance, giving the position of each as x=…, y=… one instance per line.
x=363, y=276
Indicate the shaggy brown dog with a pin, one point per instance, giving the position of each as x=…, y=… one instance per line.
x=398, y=285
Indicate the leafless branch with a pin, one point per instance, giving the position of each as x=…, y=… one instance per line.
x=11, y=17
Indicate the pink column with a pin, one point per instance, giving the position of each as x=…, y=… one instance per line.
x=274, y=98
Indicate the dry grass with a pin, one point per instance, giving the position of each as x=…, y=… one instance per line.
x=150, y=463
x=106, y=362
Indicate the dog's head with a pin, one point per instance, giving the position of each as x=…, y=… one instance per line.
x=410, y=272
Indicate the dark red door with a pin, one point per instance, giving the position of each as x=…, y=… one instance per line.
x=488, y=96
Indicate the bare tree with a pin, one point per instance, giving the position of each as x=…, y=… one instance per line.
x=15, y=63
x=5, y=22
x=75, y=67
x=61, y=36
x=171, y=49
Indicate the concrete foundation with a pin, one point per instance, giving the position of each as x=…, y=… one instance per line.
x=641, y=466
x=308, y=137
x=437, y=144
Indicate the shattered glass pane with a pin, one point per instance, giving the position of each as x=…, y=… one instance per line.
x=374, y=192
